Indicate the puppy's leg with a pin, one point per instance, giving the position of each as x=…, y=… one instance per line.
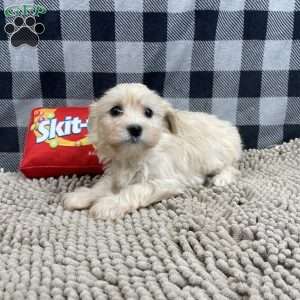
x=84, y=197
x=226, y=176
x=135, y=196
x=79, y=199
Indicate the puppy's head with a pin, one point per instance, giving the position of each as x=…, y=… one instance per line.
x=128, y=120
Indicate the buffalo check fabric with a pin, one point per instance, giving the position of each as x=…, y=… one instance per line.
x=238, y=59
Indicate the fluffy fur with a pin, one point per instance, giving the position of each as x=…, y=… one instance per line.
x=176, y=150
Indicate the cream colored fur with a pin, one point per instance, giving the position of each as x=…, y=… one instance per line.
x=177, y=149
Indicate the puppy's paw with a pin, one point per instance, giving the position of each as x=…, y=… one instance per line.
x=195, y=181
x=221, y=180
x=225, y=177
x=70, y=201
x=109, y=208
x=79, y=199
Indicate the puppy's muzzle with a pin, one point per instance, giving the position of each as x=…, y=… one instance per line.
x=135, y=132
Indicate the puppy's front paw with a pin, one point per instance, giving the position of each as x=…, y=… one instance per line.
x=221, y=180
x=226, y=177
x=109, y=208
x=79, y=199
x=70, y=200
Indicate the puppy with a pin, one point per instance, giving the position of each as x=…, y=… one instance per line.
x=155, y=151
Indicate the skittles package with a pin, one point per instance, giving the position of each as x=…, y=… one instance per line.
x=57, y=144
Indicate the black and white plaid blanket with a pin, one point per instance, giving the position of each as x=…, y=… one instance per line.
x=238, y=59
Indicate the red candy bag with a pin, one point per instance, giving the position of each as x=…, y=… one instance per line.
x=56, y=144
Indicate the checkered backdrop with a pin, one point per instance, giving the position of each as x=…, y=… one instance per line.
x=238, y=59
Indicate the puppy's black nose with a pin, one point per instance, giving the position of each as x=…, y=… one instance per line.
x=135, y=130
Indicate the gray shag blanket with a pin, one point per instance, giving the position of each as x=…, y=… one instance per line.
x=237, y=242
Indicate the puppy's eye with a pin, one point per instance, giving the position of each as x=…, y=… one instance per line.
x=148, y=112
x=116, y=111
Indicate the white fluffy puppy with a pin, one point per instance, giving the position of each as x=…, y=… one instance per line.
x=155, y=151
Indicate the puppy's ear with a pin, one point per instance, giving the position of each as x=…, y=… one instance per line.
x=171, y=120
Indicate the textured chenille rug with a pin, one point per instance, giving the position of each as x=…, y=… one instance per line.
x=237, y=242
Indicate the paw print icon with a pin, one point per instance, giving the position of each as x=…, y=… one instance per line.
x=24, y=31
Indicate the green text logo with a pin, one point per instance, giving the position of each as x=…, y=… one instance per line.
x=25, y=10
